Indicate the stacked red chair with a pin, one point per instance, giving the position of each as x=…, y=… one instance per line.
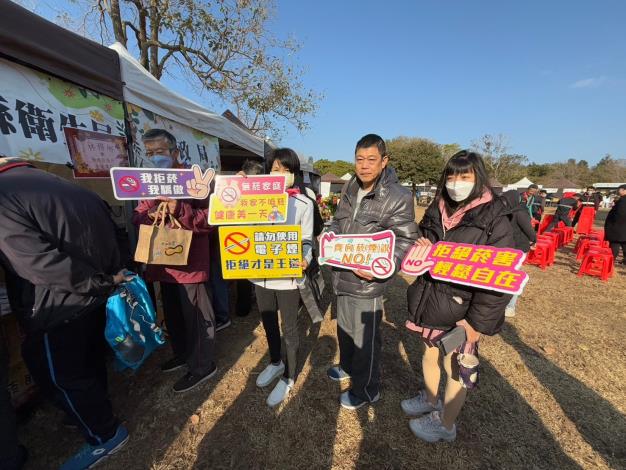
x=597, y=261
x=541, y=254
x=585, y=222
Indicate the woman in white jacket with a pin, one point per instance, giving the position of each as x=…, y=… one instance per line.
x=283, y=294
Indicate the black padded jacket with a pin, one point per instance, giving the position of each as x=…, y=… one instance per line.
x=434, y=303
x=387, y=206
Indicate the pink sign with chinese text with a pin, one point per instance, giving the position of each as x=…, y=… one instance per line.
x=372, y=252
x=486, y=267
x=245, y=200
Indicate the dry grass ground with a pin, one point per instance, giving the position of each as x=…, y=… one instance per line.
x=552, y=396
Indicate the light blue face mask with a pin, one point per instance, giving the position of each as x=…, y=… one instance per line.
x=161, y=161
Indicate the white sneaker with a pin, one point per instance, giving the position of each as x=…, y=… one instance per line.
x=509, y=312
x=419, y=404
x=280, y=392
x=269, y=374
x=430, y=429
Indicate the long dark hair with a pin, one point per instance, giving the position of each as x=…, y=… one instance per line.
x=290, y=160
x=463, y=162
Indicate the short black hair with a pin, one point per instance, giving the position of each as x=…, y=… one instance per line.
x=533, y=186
x=290, y=160
x=287, y=158
x=462, y=162
x=622, y=186
x=543, y=191
x=154, y=134
x=371, y=140
x=252, y=167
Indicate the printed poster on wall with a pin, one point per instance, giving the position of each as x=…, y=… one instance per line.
x=248, y=200
x=192, y=147
x=36, y=107
x=486, y=267
x=261, y=251
x=95, y=153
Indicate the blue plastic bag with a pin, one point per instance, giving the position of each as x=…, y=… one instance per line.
x=131, y=328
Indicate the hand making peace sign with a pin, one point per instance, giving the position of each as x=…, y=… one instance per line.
x=198, y=187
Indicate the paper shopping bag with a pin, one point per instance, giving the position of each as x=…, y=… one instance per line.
x=159, y=244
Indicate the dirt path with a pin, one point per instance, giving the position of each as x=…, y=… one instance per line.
x=552, y=395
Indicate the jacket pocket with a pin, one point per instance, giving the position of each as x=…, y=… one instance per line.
x=446, y=305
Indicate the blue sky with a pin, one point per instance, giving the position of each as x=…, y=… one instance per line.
x=549, y=75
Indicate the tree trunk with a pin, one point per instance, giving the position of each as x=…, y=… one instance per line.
x=155, y=22
x=143, y=40
x=116, y=21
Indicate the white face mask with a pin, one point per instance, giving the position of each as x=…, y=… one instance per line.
x=459, y=190
x=289, y=178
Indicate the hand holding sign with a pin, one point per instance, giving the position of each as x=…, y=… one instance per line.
x=199, y=186
x=419, y=259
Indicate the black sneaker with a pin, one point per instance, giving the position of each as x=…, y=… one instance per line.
x=220, y=325
x=189, y=381
x=173, y=364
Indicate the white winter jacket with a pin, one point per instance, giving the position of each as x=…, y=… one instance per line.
x=299, y=212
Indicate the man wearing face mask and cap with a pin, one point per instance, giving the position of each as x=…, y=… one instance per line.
x=185, y=291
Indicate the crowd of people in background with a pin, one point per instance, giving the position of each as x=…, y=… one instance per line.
x=62, y=262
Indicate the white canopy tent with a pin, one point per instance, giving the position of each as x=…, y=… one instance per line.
x=142, y=89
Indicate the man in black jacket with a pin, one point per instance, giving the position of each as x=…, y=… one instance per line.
x=615, y=225
x=371, y=201
x=61, y=239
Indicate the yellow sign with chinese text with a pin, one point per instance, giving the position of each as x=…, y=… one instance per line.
x=261, y=251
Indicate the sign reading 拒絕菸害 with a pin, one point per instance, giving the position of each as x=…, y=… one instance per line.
x=486, y=267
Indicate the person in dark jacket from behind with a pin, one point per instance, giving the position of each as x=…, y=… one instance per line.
x=615, y=225
x=464, y=211
x=372, y=201
x=61, y=239
x=524, y=235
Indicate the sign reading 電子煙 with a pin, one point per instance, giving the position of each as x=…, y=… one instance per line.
x=261, y=251
x=248, y=200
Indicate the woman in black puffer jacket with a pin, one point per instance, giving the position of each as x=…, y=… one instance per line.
x=464, y=211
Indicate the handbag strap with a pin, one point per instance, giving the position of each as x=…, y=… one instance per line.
x=161, y=214
x=164, y=214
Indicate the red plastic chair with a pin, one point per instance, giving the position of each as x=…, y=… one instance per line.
x=597, y=263
x=581, y=242
x=567, y=234
x=557, y=238
x=551, y=242
x=540, y=255
x=585, y=244
x=597, y=234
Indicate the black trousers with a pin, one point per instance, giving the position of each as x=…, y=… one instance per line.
x=190, y=322
x=288, y=302
x=615, y=246
x=244, y=289
x=558, y=218
x=358, y=332
x=68, y=364
x=8, y=431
